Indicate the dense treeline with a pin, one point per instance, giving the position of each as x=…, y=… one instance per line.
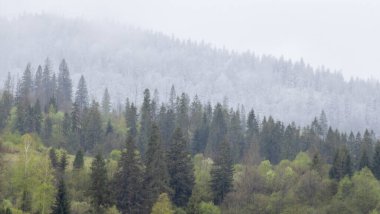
x=183, y=156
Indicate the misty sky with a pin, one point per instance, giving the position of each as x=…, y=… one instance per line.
x=343, y=35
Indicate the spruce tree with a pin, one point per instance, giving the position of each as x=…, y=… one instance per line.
x=156, y=179
x=26, y=84
x=78, y=161
x=218, y=130
x=53, y=158
x=61, y=204
x=376, y=162
x=364, y=160
x=128, y=180
x=64, y=88
x=201, y=136
x=131, y=119
x=342, y=164
x=81, y=95
x=92, y=130
x=145, y=123
x=222, y=173
x=62, y=165
x=106, y=102
x=180, y=169
x=46, y=85
x=98, y=190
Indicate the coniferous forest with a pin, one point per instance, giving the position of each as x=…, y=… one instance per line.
x=65, y=152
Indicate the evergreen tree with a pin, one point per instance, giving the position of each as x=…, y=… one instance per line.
x=376, y=162
x=98, y=189
x=64, y=88
x=81, y=95
x=78, y=161
x=183, y=115
x=145, y=123
x=166, y=120
x=46, y=85
x=26, y=84
x=180, y=170
x=323, y=124
x=201, y=136
x=218, y=130
x=61, y=204
x=66, y=124
x=109, y=128
x=48, y=128
x=92, y=127
x=271, y=139
x=6, y=103
x=38, y=90
x=37, y=117
x=236, y=136
x=342, y=164
x=128, y=180
x=131, y=119
x=222, y=173
x=63, y=163
x=364, y=160
x=53, y=158
x=156, y=180
x=106, y=102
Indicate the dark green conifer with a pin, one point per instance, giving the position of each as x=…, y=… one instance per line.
x=222, y=173
x=180, y=169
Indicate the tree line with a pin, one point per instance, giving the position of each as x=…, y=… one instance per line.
x=156, y=143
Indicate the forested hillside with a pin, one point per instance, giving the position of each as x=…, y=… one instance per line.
x=128, y=60
x=175, y=155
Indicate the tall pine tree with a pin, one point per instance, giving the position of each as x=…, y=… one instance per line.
x=156, y=180
x=99, y=192
x=128, y=180
x=222, y=173
x=180, y=169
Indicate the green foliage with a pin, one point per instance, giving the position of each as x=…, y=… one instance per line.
x=128, y=180
x=163, y=205
x=222, y=174
x=156, y=180
x=98, y=190
x=180, y=170
x=61, y=204
x=208, y=208
x=78, y=161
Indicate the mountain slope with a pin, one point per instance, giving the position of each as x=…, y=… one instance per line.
x=127, y=60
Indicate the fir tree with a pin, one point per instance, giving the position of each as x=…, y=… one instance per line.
x=201, y=136
x=106, y=102
x=98, y=189
x=63, y=163
x=128, y=180
x=92, y=127
x=61, y=204
x=218, y=130
x=64, y=88
x=376, y=162
x=222, y=173
x=78, y=161
x=81, y=95
x=180, y=170
x=364, y=160
x=109, y=128
x=131, y=119
x=145, y=123
x=53, y=158
x=156, y=179
x=342, y=165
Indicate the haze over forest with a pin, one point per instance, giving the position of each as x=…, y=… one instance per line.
x=126, y=60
